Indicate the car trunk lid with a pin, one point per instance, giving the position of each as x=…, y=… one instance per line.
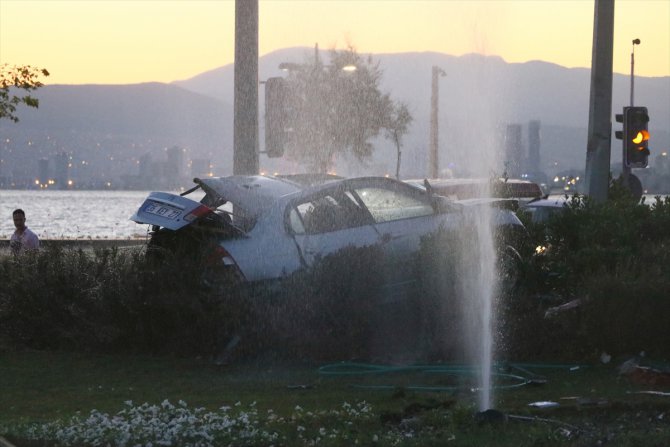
x=169, y=211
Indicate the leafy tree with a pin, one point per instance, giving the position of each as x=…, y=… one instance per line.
x=22, y=78
x=399, y=122
x=333, y=110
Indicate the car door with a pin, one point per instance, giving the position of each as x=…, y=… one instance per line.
x=402, y=214
x=328, y=221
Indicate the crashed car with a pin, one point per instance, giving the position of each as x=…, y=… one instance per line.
x=266, y=227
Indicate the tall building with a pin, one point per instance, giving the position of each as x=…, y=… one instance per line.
x=200, y=167
x=175, y=162
x=534, y=146
x=43, y=171
x=513, y=150
x=61, y=170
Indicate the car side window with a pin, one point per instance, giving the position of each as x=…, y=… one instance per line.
x=295, y=222
x=387, y=205
x=328, y=212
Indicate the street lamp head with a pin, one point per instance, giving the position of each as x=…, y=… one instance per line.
x=636, y=41
x=292, y=66
x=288, y=66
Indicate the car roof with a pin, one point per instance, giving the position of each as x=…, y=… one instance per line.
x=470, y=188
x=252, y=193
x=309, y=179
x=551, y=202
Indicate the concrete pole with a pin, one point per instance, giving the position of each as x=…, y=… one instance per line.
x=433, y=169
x=600, y=102
x=245, y=121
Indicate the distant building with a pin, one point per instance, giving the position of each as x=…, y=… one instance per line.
x=43, y=171
x=201, y=167
x=175, y=163
x=61, y=170
x=534, y=146
x=145, y=165
x=514, y=153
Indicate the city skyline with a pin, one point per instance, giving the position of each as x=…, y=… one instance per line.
x=110, y=42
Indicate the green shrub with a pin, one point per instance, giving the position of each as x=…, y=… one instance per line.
x=113, y=300
x=324, y=313
x=106, y=300
x=615, y=258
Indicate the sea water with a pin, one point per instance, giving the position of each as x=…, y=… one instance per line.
x=74, y=214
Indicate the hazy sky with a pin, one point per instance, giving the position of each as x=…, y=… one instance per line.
x=128, y=41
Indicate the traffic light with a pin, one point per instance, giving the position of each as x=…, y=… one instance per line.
x=635, y=136
x=275, y=117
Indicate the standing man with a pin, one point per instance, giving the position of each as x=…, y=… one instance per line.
x=23, y=239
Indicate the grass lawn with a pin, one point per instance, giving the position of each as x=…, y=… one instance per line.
x=595, y=404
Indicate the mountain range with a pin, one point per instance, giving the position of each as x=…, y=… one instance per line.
x=478, y=97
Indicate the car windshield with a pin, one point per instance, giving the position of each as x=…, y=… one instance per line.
x=386, y=205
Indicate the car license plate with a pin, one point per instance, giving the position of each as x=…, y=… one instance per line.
x=163, y=210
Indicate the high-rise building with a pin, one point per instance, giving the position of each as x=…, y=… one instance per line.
x=513, y=150
x=43, y=171
x=175, y=162
x=534, y=146
x=61, y=170
x=201, y=167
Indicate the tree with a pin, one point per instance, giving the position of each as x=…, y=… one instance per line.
x=22, y=78
x=399, y=122
x=337, y=109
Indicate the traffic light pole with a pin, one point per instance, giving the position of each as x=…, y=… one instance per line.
x=600, y=102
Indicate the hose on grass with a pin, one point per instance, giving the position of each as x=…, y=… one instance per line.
x=353, y=369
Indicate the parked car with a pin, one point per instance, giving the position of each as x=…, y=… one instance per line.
x=266, y=227
x=541, y=210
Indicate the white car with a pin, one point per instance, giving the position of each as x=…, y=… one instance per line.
x=542, y=209
x=278, y=225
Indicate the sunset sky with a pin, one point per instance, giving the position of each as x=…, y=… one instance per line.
x=128, y=41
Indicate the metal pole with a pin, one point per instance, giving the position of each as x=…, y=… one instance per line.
x=433, y=170
x=632, y=72
x=245, y=120
x=600, y=102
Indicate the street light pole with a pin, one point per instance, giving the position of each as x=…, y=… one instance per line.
x=433, y=170
x=245, y=119
x=632, y=71
x=626, y=170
